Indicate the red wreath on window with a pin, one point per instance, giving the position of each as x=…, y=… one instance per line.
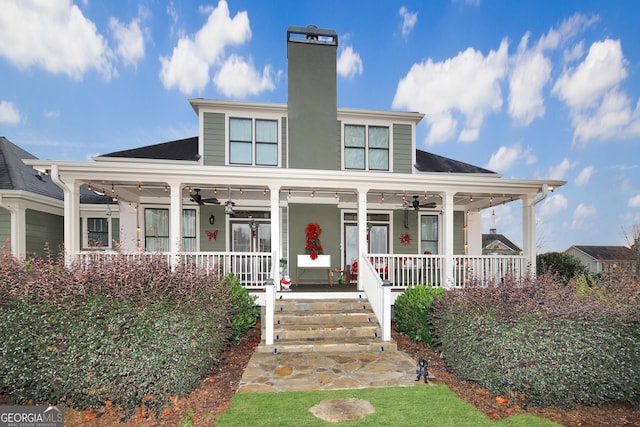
x=313, y=247
x=405, y=239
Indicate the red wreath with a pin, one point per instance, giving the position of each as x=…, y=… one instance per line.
x=405, y=239
x=313, y=247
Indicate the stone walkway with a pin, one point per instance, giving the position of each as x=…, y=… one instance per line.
x=268, y=372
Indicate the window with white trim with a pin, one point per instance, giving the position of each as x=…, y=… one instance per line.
x=97, y=233
x=366, y=147
x=253, y=142
x=156, y=234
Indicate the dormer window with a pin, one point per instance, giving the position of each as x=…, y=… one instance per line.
x=366, y=147
x=253, y=142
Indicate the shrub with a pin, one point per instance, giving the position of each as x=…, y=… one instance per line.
x=129, y=331
x=413, y=311
x=566, y=266
x=244, y=312
x=542, y=343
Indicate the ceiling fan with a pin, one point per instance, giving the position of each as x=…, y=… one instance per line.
x=196, y=197
x=416, y=205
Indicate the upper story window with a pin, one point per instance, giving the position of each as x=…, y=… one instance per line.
x=253, y=142
x=366, y=147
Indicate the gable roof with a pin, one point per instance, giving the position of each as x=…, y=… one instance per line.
x=15, y=175
x=489, y=238
x=181, y=149
x=429, y=162
x=607, y=253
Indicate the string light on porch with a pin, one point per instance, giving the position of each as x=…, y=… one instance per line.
x=166, y=188
x=382, y=197
x=289, y=195
x=313, y=194
x=241, y=192
x=139, y=187
x=113, y=190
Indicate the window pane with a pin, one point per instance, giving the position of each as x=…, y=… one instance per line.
x=378, y=137
x=240, y=130
x=267, y=154
x=354, y=158
x=240, y=153
x=353, y=136
x=264, y=237
x=379, y=159
x=378, y=237
x=156, y=229
x=429, y=233
x=189, y=240
x=98, y=232
x=266, y=131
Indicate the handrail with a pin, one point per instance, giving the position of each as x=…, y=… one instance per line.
x=379, y=295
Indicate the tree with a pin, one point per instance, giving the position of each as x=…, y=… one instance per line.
x=632, y=240
x=558, y=263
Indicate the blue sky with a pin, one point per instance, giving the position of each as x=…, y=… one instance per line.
x=529, y=89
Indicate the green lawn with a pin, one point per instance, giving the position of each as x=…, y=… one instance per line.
x=395, y=406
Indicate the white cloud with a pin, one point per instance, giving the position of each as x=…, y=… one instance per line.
x=503, y=159
x=468, y=83
x=582, y=216
x=188, y=66
x=349, y=63
x=238, y=78
x=553, y=206
x=409, y=20
x=54, y=35
x=560, y=170
x=51, y=114
x=584, y=176
x=634, y=202
x=129, y=38
x=613, y=118
x=9, y=113
x=530, y=73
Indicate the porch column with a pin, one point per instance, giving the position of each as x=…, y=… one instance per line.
x=362, y=231
x=447, y=229
x=71, y=222
x=18, y=232
x=175, y=221
x=276, y=238
x=529, y=232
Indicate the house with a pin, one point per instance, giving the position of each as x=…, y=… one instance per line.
x=240, y=195
x=602, y=259
x=498, y=244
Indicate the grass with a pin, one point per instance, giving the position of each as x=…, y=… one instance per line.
x=395, y=406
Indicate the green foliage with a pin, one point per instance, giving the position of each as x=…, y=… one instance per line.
x=413, y=311
x=545, y=343
x=244, y=312
x=131, y=331
x=559, y=263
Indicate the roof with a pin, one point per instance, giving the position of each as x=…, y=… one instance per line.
x=187, y=149
x=429, y=162
x=16, y=175
x=607, y=253
x=182, y=149
x=487, y=239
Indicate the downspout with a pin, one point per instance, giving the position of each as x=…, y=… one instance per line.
x=545, y=192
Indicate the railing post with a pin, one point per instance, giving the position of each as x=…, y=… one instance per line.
x=269, y=308
x=386, y=310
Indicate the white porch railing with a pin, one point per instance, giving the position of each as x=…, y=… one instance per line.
x=379, y=295
x=253, y=269
x=404, y=270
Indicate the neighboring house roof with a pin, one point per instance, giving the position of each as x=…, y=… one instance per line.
x=15, y=175
x=607, y=253
x=429, y=162
x=493, y=238
x=182, y=149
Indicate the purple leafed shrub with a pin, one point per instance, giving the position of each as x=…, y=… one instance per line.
x=544, y=342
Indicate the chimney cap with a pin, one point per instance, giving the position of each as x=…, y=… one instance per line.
x=312, y=34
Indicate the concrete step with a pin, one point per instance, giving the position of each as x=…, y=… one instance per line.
x=348, y=318
x=348, y=344
x=336, y=305
x=312, y=331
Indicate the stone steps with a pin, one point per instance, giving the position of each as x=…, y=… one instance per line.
x=322, y=325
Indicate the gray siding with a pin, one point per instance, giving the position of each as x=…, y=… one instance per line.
x=328, y=217
x=43, y=228
x=214, y=139
x=413, y=231
x=217, y=244
x=402, y=155
x=5, y=228
x=283, y=145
